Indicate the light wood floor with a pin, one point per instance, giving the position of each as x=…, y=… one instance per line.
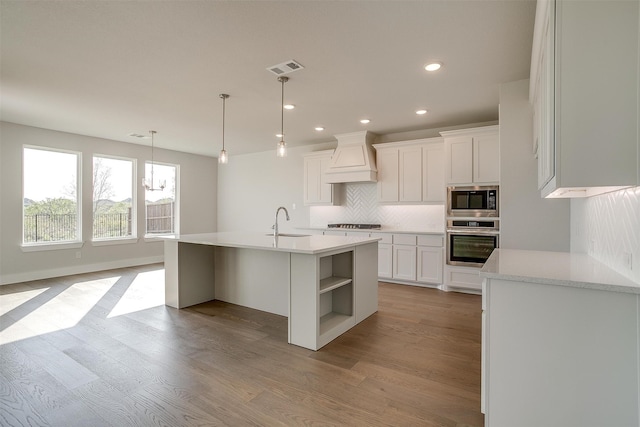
x=101, y=349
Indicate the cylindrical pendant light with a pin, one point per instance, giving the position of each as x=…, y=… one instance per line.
x=282, y=146
x=223, y=158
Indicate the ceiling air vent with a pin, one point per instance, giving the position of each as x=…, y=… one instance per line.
x=285, y=68
x=137, y=135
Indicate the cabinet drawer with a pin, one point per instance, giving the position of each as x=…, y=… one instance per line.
x=429, y=240
x=405, y=239
x=386, y=237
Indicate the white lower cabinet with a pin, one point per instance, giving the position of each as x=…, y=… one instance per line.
x=385, y=260
x=466, y=278
x=404, y=262
x=429, y=265
x=559, y=355
x=417, y=259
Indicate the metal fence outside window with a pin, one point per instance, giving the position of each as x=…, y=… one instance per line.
x=50, y=228
x=62, y=227
x=111, y=225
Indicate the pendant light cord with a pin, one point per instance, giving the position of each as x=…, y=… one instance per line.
x=224, y=103
x=282, y=80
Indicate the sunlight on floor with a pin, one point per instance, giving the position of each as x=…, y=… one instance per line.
x=146, y=291
x=63, y=311
x=11, y=301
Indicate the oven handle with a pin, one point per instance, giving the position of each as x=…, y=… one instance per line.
x=474, y=232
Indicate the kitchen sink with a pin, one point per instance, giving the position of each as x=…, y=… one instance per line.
x=289, y=235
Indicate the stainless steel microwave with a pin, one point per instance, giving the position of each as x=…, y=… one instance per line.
x=472, y=201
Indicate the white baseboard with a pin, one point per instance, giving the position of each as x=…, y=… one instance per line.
x=77, y=269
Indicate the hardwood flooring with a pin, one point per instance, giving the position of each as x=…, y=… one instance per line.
x=101, y=349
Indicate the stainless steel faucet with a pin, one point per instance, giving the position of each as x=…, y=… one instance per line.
x=275, y=226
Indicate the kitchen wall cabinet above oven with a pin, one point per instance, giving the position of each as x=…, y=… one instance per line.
x=316, y=191
x=472, y=156
x=585, y=94
x=411, y=171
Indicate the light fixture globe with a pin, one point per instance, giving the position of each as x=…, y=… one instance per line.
x=223, y=158
x=281, y=150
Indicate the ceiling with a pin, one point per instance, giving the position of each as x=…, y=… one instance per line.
x=111, y=68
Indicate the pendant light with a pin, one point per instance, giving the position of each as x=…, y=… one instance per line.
x=282, y=146
x=148, y=183
x=223, y=158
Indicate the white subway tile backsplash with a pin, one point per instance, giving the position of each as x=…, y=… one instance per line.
x=609, y=224
x=360, y=205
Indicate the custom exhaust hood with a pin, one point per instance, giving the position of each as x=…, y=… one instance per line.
x=353, y=159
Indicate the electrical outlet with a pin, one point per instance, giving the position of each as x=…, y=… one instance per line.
x=627, y=260
x=78, y=254
x=293, y=207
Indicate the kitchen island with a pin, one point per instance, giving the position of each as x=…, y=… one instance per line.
x=560, y=341
x=324, y=285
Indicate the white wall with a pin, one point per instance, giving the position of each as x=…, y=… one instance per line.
x=197, y=182
x=527, y=220
x=251, y=187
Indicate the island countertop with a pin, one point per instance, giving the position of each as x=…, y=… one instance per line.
x=311, y=244
x=556, y=268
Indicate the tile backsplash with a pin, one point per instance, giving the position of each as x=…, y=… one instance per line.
x=607, y=227
x=360, y=205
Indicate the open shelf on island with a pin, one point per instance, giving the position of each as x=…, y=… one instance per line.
x=333, y=282
x=333, y=320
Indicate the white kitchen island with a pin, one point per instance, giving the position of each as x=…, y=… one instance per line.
x=324, y=285
x=560, y=342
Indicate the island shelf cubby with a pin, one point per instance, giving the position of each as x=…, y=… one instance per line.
x=335, y=291
x=322, y=305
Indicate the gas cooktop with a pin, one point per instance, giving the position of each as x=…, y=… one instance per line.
x=356, y=226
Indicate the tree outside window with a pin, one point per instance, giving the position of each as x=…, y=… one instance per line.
x=113, y=198
x=51, y=199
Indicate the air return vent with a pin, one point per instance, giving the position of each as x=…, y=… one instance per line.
x=285, y=68
x=137, y=135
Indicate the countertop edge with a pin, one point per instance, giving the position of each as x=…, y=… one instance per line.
x=615, y=282
x=200, y=240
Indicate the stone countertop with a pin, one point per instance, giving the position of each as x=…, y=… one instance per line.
x=556, y=268
x=311, y=244
x=382, y=230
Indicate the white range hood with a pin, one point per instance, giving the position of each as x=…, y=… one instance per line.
x=353, y=160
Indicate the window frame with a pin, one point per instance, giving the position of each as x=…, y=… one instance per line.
x=133, y=238
x=176, y=223
x=62, y=244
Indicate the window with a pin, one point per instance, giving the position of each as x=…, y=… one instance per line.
x=51, y=196
x=113, y=198
x=161, y=205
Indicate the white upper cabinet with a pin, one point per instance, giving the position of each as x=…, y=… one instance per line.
x=585, y=94
x=433, y=188
x=410, y=171
x=316, y=191
x=410, y=174
x=472, y=156
x=388, y=172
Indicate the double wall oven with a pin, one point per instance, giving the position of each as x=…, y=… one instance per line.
x=473, y=230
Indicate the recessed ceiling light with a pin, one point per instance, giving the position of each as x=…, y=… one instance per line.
x=421, y=112
x=319, y=128
x=365, y=121
x=289, y=106
x=434, y=66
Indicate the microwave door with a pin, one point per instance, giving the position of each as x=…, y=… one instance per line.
x=477, y=200
x=460, y=200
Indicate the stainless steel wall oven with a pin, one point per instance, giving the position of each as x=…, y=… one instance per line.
x=470, y=242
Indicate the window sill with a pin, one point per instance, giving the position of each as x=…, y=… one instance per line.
x=118, y=241
x=158, y=237
x=50, y=246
